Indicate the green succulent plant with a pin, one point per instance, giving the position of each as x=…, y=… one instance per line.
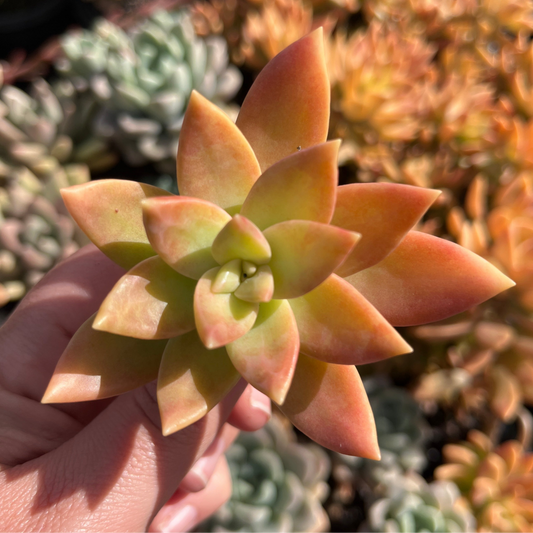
x=36, y=160
x=142, y=80
x=278, y=484
x=420, y=506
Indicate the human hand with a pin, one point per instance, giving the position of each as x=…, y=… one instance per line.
x=102, y=465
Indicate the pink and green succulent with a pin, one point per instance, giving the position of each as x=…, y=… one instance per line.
x=263, y=268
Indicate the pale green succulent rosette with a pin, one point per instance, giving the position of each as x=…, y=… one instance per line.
x=421, y=507
x=36, y=161
x=142, y=80
x=278, y=484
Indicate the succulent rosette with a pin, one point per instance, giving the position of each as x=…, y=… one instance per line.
x=263, y=268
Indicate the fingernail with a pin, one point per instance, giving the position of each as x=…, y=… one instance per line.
x=202, y=470
x=260, y=402
x=183, y=520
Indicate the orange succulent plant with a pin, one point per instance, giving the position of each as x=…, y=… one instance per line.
x=263, y=268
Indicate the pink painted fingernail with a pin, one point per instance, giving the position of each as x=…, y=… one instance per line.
x=260, y=402
x=182, y=520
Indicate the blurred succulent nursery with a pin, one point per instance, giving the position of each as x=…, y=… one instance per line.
x=37, y=158
x=278, y=483
x=140, y=81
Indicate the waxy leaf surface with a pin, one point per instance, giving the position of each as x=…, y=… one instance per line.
x=300, y=187
x=228, y=277
x=241, y=239
x=220, y=318
x=304, y=254
x=110, y=213
x=427, y=279
x=266, y=356
x=182, y=230
x=288, y=104
x=338, y=325
x=383, y=213
x=329, y=404
x=151, y=301
x=97, y=364
x=192, y=380
x=215, y=161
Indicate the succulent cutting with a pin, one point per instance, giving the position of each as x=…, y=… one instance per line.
x=263, y=268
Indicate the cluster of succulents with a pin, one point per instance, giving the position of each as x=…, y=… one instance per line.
x=140, y=81
x=278, y=483
x=37, y=158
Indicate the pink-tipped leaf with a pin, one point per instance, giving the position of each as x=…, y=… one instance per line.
x=220, y=318
x=215, y=161
x=241, y=239
x=259, y=288
x=288, y=105
x=300, y=187
x=97, y=364
x=192, y=380
x=304, y=254
x=426, y=279
x=182, y=229
x=151, y=301
x=110, y=213
x=329, y=404
x=266, y=356
x=382, y=213
x=338, y=325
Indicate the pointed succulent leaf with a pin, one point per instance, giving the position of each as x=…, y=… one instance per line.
x=304, y=254
x=97, y=364
x=151, y=301
x=258, y=288
x=382, y=213
x=300, y=187
x=338, y=325
x=241, y=239
x=182, y=230
x=228, y=277
x=426, y=279
x=266, y=356
x=220, y=318
x=109, y=212
x=192, y=380
x=288, y=105
x=329, y=404
x=215, y=161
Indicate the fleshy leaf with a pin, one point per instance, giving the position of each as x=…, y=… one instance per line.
x=151, y=301
x=300, y=187
x=382, y=213
x=220, y=318
x=426, y=279
x=228, y=278
x=109, y=212
x=329, y=404
x=241, y=239
x=258, y=288
x=97, y=364
x=182, y=230
x=192, y=380
x=288, y=105
x=304, y=254
x=338, y=325
x=215, y=161
x=266, y=356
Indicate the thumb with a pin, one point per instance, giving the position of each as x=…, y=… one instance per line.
x=114, y=475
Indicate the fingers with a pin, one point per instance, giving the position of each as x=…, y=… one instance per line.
x=199, y=475
x=252, y=411
x=184, y=510
x=116, y=473
x=52, y=312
